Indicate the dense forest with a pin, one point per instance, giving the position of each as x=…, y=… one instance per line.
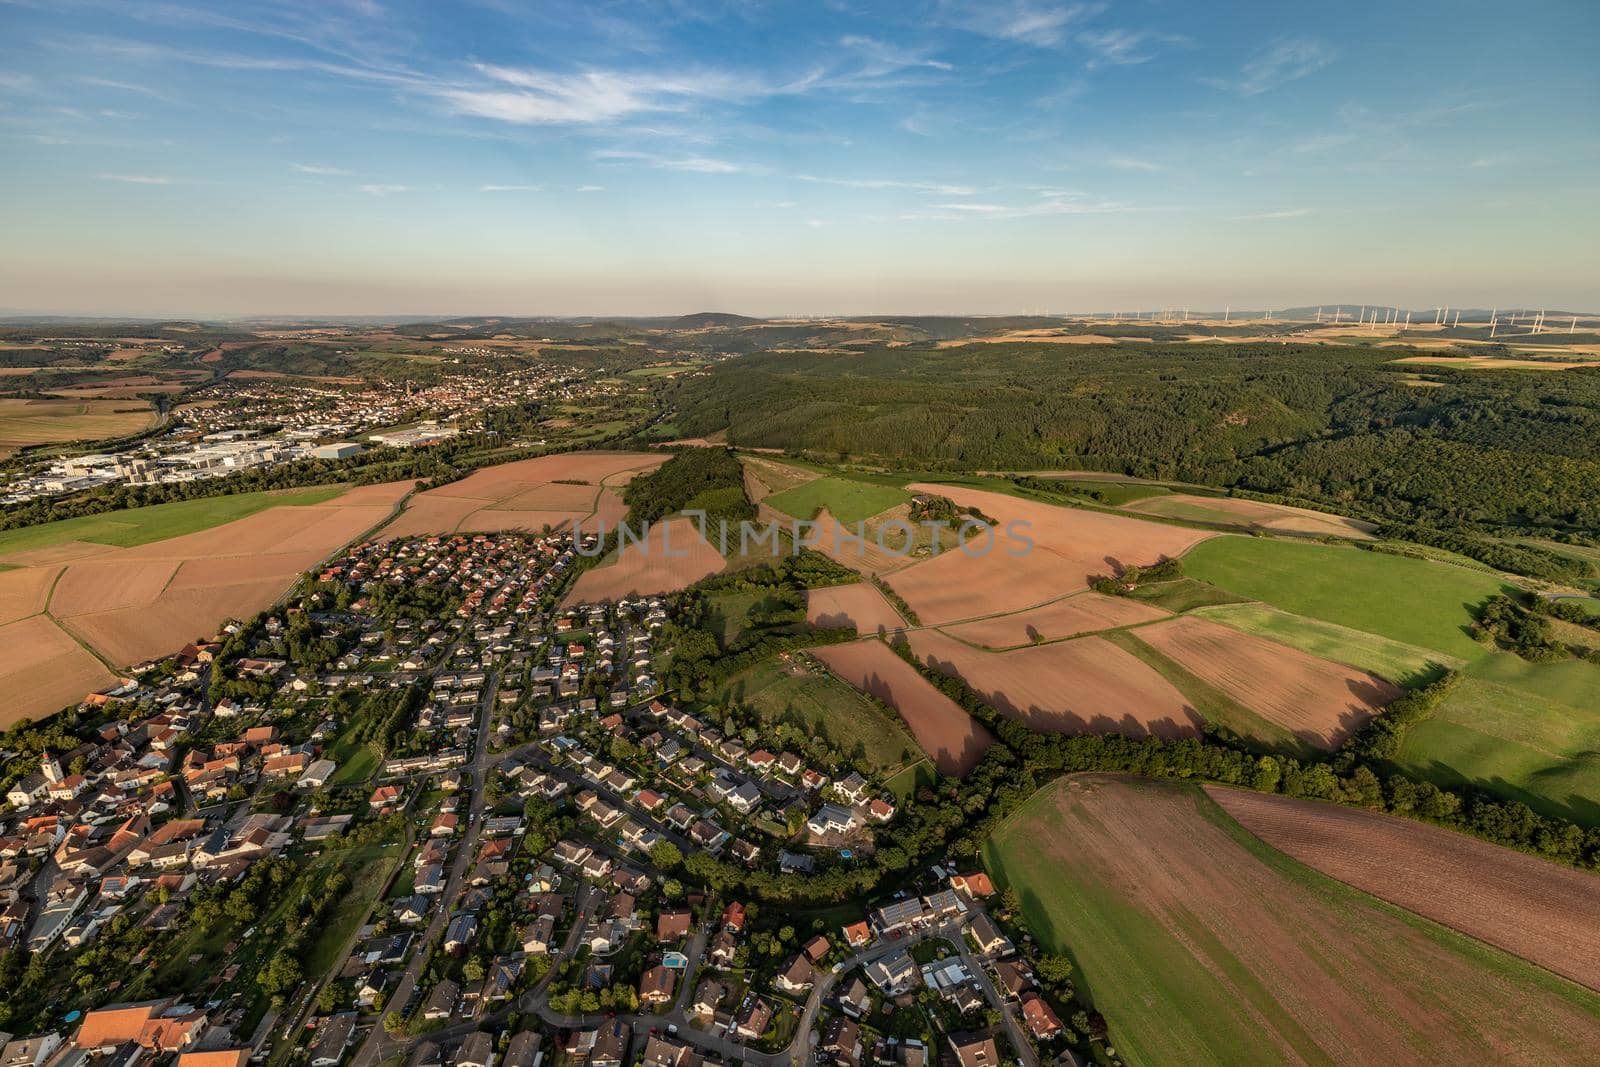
x=1340, y=426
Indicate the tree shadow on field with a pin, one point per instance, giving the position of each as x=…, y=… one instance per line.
x=1040, y=923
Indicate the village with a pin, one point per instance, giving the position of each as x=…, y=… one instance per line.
x=425, y=814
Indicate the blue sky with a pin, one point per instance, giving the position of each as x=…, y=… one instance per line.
x=377, y=156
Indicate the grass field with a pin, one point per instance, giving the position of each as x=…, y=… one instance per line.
x=39, y=422
x=729, y=612
x=1184, y=594
x=1202, y=945
x=1413, y=601
x=1528, y=731
x=829, y=708
x=846, y=499
x=140, y=526
x=1400, y=663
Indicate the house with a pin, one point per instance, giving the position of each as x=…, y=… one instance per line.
x=608, y=1044
x=831, y=818
x=895, y=973
x=858, y=935
x=537, y=935
x=29, y=1051
x=333, y=1038
x=988, y=938
x=441, y=1002
x=668, y=1052
x=854, y=998
x=817, y=948
x=753, y=1018
x=231, y=1057
x=976, y=885
x=476, y=1051
x=722, y=950
x=853, y=787
x=522, y=1051
x=1042, y=1020
x=841, y=1041
x=708, y=997
x=974, y=1050
x=384, y=796
x=656, y=985
x=734, y=918
x=898, y=915
x=459, y=934
x=151, y=1024
x=796, y=976
x=412, y=910
x=1011, y=977
x=672, y=924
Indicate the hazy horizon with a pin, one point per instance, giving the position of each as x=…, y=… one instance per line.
x=366, y=157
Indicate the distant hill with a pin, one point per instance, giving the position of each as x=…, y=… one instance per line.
x=708, y=319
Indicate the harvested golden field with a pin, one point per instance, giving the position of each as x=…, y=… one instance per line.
x=1547, y=914
x=951, y=738
x=1071, y=548
x=1204, y=946
x=672, y=556
x=1084, y=686
x=43, y=670
x=1082, y=613
x=109, y=582
x=140, y=603
x=860, y=605
x=25, y=591
x=1252, y=514
x=1319, y=701
x=40, y=422
x=529, y=494
x=1491, y=363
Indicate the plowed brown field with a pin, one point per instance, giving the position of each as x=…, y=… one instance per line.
x=1203, y=946
x=859, y=605
x=43, y=670
x=1081, y=614
x=1252, y=514
x=1071, y=548
x=1084, y=686
x=673, y=556
x=135, y=604
x=951, y=738
x=1319, y=701
x=1547, y=914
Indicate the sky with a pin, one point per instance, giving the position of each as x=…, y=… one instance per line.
x=380, y=157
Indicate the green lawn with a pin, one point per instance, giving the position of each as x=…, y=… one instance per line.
x=140, y=526
x=1400, y=663
x=1528, y=731
x=846, y=499
x=832, y=710
x=1413, y=601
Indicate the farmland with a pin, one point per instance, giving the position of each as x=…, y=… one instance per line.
x=944, y=731
x=1525, y=905
x=860, y=605
x=670, y=557
x=39, y=422
x=846, y=499
x=827, y=708
x=1400, y=663
x=1068, y=687
x=1416, y=602
x=1252, y=515
x=527, y=495
x=1525, y=730
x=1082, y=613
x=1319, y=701
x=1069, y=549
x=140, y=526
x=176, y=576
x=1202, y=945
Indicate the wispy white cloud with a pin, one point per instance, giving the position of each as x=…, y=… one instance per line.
x=510, y=188
x=541, y=97
x=1133, y=163
x=1499, y=159
x=691, y=164
x=318, y=168
x=384, y=189
x=1120, y=47
x=1267, y=216
x=883, y=57
x=935, y=188
x=137, y=179
x=590, y=189
x=1040, y=25
x=1051, y=202
x=1285, y=60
